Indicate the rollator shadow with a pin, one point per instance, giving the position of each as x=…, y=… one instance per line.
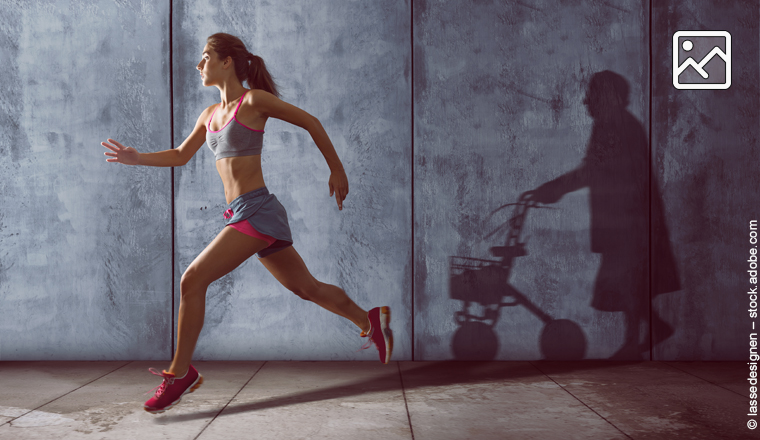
x=627, y=225
x=486, y=282
x=627, y=229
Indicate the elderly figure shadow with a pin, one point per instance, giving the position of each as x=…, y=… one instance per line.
x=616, y=170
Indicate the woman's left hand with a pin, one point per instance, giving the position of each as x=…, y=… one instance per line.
x=339, y=185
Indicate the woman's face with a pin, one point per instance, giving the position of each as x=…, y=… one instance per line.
x=210, y=67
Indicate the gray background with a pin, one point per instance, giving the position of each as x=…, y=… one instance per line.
x=498, y=111
x=435, y=131
x=705, y=153
x=85, y=245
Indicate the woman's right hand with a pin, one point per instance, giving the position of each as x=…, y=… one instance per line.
x=546, y=193
x=121, y=154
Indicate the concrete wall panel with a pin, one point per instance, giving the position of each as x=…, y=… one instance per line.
x=85, y=244
x=498, y=110
x=348, y=64
x=705, y=154
x=499, y=91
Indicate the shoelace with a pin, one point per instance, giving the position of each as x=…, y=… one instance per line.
x=168, y=380
x=369, y=342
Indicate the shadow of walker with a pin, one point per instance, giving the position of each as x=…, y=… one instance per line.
x=627, y=215
x=486, y=283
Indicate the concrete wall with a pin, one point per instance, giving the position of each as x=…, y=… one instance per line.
x=85, y=245
x=705, y=154
x=499, y=91
x=500, y=107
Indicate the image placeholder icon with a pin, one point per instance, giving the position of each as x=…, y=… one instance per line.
x=701, y=60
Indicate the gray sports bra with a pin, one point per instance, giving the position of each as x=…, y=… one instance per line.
x=234, y=139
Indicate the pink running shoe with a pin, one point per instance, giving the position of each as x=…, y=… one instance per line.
x=379, y=332
x=172, y=389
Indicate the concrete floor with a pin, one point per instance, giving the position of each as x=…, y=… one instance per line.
x=401, y=400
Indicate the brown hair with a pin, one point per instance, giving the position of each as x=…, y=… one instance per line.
x=248, y=67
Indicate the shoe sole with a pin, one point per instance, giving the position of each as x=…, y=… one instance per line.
x=195, y=386
x=385, y=319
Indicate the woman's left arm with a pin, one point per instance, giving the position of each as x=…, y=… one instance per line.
x=273, y=107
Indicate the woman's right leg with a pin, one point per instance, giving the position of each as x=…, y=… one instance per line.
x=226, y=252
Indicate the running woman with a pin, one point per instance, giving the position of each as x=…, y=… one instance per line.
x=255, y=221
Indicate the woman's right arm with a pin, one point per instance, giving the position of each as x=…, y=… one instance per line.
x=167, y=158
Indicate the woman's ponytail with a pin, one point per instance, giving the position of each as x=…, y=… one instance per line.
x=248, y=67
x=258, y=75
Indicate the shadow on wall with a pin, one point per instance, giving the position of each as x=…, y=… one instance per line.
x=616, y=170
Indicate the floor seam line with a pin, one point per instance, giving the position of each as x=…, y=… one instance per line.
x=64, y=394
x=703, y=379
x=582, y=402
x=406, y=405
x=229, y=401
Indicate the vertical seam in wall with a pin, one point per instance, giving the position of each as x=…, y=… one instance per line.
x=649, y=167
x=171, y=106
x=411, y=44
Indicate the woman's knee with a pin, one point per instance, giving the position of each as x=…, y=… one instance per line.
x=192, y=281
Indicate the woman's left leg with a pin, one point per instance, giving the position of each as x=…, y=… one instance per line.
x=290, y=270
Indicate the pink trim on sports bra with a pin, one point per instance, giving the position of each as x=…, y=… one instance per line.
x=252, y=129
x=234, y=116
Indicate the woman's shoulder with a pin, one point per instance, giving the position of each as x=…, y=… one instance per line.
x=259, y=92
x=258, y=100
x=205, y=116
x=259, y=95
x=206, y=113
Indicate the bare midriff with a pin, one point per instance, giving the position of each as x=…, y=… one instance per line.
x=240, y=175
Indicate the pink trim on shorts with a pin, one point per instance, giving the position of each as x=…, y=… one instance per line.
x=245, y=227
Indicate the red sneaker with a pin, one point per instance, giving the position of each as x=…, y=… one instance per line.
x=379, y=332
x=172, y=389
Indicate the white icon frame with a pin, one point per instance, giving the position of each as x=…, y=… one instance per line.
x=691, y=86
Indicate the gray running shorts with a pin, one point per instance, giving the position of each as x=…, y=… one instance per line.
x=259, y=214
